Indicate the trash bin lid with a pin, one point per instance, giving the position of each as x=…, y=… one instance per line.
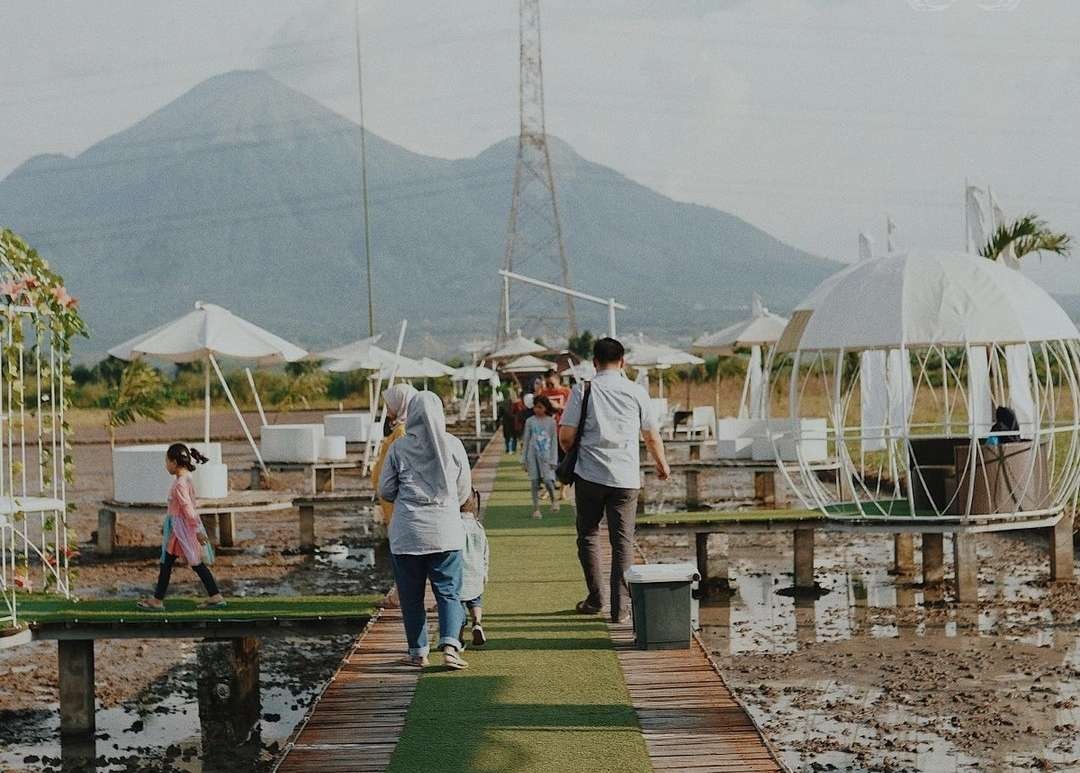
x=645, y=573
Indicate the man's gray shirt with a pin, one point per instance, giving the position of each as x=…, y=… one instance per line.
x=618, y=412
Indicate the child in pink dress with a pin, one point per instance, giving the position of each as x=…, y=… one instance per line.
x=183, y=533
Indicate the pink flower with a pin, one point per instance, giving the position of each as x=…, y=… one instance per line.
x=12, y=289
x=30, y=281
x=62, y=297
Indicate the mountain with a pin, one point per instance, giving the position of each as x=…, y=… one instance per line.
x=246, y=193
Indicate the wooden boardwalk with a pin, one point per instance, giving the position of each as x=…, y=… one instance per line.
x=689, y=718
x=355, y=724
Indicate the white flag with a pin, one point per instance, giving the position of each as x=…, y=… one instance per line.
x=890, y=234
x=976, y=220
x=997, y=220
x=866, y=247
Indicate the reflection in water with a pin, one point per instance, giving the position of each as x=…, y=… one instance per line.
x=881, y=673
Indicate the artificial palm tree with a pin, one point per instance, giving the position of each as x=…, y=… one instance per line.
x=1023, y=236
x=139, y=394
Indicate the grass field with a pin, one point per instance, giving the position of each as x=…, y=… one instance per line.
x=546, y=693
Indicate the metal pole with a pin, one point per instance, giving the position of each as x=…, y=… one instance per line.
x=506, y=305
x=206, y=401
x=239, y=416
x=611, y=317
x=255, y=392
x=363, y=178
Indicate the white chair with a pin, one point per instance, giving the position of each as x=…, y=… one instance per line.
x=702, y=423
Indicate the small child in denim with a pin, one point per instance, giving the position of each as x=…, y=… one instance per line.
x=474, y=568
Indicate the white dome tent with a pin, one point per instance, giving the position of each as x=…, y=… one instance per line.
x=954, y=335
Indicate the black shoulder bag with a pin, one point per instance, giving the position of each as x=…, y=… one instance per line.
x=565, y=471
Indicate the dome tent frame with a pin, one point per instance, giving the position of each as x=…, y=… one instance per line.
x=950, y=358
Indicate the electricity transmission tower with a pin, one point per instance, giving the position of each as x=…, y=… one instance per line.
x=534, y=243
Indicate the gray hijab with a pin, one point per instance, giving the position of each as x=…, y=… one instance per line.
x=424, y=449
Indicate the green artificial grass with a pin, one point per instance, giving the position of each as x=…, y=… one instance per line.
x=51, y=609
x=720, y=517
x=546, y=693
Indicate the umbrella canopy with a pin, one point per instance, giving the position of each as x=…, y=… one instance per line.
x=763, y=328
x=643, y=353
x=470, y=373
x=517, y=346
x=437, y=368
x=582, y=371
x=206, y=330
x=355, y=351
x=372, y=357
x=917, y=299
x=528, y=364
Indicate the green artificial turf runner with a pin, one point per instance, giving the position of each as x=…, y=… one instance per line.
x=546, y=693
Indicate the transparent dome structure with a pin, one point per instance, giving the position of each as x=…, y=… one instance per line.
x=950, y=385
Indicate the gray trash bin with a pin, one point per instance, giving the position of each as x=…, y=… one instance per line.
x=663, y=604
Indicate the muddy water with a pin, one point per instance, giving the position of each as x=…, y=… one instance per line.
x=881, y=674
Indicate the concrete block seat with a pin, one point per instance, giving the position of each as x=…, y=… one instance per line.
x=761, y=439
x=354, y=427
x=292, y=443
x=139, y=474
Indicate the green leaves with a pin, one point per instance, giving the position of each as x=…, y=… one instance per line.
x=139, y=395
x=1024, y=236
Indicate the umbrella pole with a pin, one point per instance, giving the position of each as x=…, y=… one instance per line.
x=255, y=392
x=716, y=390
x=206, y=401
x=239, y=416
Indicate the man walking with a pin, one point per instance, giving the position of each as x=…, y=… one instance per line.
x=608, y=474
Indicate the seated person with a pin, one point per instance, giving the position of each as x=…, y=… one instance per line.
x=1004, y=421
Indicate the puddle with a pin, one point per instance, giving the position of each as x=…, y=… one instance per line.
x=185, y=721
x=341, y=556
x=882, y=674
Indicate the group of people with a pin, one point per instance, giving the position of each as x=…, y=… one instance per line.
x=424, y=482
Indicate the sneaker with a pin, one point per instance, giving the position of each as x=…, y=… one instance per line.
x=478, y=638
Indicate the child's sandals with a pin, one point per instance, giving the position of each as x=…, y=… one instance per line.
x=150, y=606
x=214, y=604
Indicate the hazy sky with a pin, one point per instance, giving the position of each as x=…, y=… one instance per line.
x=809, y=118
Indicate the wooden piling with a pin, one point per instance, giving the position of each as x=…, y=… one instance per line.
x=933, y=558
x=76, y=660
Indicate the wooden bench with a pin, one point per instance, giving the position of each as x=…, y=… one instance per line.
x=218, y=515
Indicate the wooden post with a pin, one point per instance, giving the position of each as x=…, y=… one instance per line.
x=765, y=487
x=1061, y=548
x=701, y=548
x=76, y=660
x=226, y=524
x=904, y=554
x=210, y=524
x=804, y=559
x=229, y=700
x=966, y=568
x=324, y=479
x=307, y=528
x=106, y=532
x=641, y=502
x=256, y=478
x=933, y=559
x=693, y=497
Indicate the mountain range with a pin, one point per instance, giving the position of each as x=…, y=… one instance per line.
x=246, y=193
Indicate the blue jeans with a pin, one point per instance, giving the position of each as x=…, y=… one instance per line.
x=511, y=443
x=444, y=572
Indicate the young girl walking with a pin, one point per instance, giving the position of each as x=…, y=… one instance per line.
x=183, y=534
x=540, y=454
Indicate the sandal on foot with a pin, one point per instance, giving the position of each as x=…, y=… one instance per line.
x=585, y=608
x=214, y=604
x=452, y=660
x=144, y=604
x=416, y=661
x=537, y=514
x=478, y=637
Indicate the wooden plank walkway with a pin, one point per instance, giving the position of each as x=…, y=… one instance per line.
x=355, y=724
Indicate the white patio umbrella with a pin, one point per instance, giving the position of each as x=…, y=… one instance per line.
x=471, y=373
x=582, y=371
x=437, y=368
x=517, y=346
x=206, y=333
x=355, y=351
x=759, y=332
x=528, y=364
x=643, y=353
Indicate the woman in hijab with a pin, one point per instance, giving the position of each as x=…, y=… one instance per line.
x=427, y=477
x=397, y=399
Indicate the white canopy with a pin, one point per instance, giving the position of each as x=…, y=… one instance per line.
x=206, y=330
x=643, y=353
x=762, y=328
x=583, y=371
x=410, y=369
x=517, y=346
x=918, y=299
x=471, y=372
x=437, y=368
x=372, y=357
x=355, y=351
x=529, y=364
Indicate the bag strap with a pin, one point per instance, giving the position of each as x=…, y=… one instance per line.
x=587, y=389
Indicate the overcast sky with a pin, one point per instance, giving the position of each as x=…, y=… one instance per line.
x=809, y=118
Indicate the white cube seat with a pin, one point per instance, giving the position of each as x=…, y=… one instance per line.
x=332, y=447
x=291, y=443
x=779, y=441
x=139, y=475
x=354, y=427
x=211, y=480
